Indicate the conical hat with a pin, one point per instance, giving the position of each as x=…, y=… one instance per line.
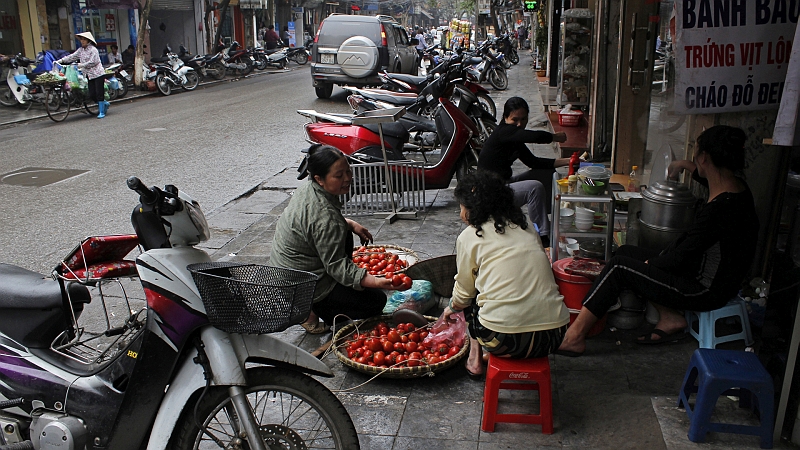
x=87, y=35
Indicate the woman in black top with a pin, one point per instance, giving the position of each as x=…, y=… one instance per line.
x=703, y=268
x=507, y=144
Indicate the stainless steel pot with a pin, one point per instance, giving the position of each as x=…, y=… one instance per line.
x=668, y=209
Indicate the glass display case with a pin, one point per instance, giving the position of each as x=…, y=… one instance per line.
x=565, y=226
x=575, y=66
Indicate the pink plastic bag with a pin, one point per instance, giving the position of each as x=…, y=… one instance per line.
x=451, y=332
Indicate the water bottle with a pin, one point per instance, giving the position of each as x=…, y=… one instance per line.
x=633, y=180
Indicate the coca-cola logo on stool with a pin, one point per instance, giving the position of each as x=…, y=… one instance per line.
x=519, y=376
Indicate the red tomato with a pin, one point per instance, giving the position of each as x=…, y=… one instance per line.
x=406, y=283
x=404, y=338
x=392, y=357
x=413, y=337
x=388, y=274
x=433, y=360
x=393, y=336
x=414, y=359
x=374, y=344
x=367, y=353
x=362, y=249
x=411, y=346
x=381, y=250
x=441, y=349
x=350, y=353
x=384, y=330
x=381, y=265
x=423, y=334
x=401, y=328
x=379, y=358
x=453, y=350
x=410, y=326
x=361, y=360
x=390, y=268
x=401, y=358
x=373, y=261
x=399, y=347
x=388, y=346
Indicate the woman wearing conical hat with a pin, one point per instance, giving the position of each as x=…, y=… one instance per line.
x=89, y=63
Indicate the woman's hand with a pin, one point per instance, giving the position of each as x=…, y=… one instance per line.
x=675, y=167
x=560, y=137
x=371, y=281
x=360, y=231
x=447, y=313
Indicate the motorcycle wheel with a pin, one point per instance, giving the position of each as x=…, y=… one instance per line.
x=261, y=63
x=112, y=94
x=123, y=90
x=291, y=410
x=162, y=83
x=487, y=103
x=486, y=129
x=192, y=80
x=514, y=56
x=7, y=97
x=283, y=63
x=248, y=68
x=217, y=70
x=301, y=58
x=498, y=78
x=466, y=164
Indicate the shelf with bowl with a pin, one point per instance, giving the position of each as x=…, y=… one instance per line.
x=585, y=212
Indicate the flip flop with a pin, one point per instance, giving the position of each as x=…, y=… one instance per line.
x=569, y=354
x=663, y=337
x=317, y=328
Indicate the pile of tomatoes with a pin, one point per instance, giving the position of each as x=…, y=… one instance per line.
x=401, y=346
x=378, y=261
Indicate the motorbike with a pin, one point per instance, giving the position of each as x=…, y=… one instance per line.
x=507, y=47
x=193, y=369
x=196, y=62
x=300, y=55
x=18, y=90
x=491, y=69
x=171, y=72
x=362, y=143
x=123, y=76
x=238, y=59
x=277, y=58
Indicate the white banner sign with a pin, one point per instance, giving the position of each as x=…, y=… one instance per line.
x=732, y=55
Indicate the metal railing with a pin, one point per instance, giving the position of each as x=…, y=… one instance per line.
x=369, y=192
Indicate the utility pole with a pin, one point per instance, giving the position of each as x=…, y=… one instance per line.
x=477, y=18
x=138, y=75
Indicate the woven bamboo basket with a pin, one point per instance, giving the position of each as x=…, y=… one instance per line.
x=344, y=334
x=406, y=254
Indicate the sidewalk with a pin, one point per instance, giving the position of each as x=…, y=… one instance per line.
x=619, y=395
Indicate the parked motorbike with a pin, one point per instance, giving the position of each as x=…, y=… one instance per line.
x=175, y=374
x=17, y=88
x=490, y=69
x=123, y=76
x=362, y=143
x=238, y=59
x=171, y=72
x=300, y=55
x=196, y=62
x=277, y=58
x=505, y=45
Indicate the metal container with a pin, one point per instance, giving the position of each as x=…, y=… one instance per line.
x=668, y=209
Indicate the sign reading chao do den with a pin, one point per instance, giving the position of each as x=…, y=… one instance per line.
x=732, y=55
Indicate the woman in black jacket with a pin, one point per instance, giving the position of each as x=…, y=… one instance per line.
x=703, y=268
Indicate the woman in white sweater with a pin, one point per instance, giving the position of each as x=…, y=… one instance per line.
x=504, y=284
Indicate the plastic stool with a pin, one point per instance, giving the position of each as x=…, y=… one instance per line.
x=727, y=372
x=527, y=374
x=706, y=334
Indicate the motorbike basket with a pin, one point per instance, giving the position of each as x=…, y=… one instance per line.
x=251, y=298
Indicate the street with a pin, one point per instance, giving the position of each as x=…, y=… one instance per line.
x=215, y=143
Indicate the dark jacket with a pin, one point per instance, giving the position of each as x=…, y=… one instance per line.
x=507, y=144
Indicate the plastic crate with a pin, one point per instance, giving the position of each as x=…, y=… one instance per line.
x=251, y=298
x=570, y=119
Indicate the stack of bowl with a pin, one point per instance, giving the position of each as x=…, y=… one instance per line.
x=584, y=218
x=565, y=218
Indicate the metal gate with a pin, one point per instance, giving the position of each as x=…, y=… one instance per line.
x=369, y=192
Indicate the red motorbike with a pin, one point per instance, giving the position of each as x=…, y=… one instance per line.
x=238, y=59
x=459, y=136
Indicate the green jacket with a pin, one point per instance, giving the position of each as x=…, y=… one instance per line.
x=311, y=235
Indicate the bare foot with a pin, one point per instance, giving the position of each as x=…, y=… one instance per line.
x=572, y=346
x=669, y=323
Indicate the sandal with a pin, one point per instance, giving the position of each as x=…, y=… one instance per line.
x=663, y=337
x=316, y=328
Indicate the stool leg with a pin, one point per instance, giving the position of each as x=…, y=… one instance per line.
x=546, y=404
x=687, y=388
x=745, y=318
x=765, y=398
x=490, y=393
x=706, y=327
x=703, y=407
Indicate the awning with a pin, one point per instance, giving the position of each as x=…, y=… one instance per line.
x=112, y=4
x=173, y=5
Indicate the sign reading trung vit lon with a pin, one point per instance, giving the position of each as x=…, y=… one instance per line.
x=732, y=55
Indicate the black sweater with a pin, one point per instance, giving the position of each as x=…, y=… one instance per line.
x=507, y=144
x=718, y=249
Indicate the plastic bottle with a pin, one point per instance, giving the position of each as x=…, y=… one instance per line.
x=574, y=163
x=633, y=180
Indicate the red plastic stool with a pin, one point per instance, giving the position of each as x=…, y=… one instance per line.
x=526, y=374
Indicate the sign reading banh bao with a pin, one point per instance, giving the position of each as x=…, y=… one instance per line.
x=732, y=55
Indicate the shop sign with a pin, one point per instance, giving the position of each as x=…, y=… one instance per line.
x=8, y=23
x=732, y=55
x=111, y=23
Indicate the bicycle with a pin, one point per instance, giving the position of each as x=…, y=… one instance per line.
x=69, y=97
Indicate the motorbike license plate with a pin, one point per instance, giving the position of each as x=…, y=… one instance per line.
x=326, y=59
x=123, y=73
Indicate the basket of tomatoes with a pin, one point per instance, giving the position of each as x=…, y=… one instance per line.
x=386, y=260
x=379, y=346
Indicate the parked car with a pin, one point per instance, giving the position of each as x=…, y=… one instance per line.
x=351, y=50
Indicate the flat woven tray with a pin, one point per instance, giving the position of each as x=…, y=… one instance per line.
x=406, y=254
x=344, y=334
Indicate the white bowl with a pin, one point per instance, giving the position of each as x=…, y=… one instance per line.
x=584, y=220
x=570, y=241
x=584, y=226
x=585, y=213
x=566, y=212
x=572, y=249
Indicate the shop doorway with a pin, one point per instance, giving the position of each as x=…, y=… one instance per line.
x=10, y=37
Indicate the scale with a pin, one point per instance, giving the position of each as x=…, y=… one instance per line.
x=380, y=117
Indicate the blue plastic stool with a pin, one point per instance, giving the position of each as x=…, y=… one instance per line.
x=706, y=334
x=727, y=372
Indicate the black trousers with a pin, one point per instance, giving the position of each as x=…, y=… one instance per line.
x=628, y=270
x=97, y=89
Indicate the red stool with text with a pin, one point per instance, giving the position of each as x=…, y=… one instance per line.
x=518, y=374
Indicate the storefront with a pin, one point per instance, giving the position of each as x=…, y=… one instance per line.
x=176, y=23
x=10, y=36
x=110, y=22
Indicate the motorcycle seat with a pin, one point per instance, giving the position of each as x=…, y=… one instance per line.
x=399, y=100
x=413, y=122
x=23, y=289
x=390, y=129
x=159, y=59
x=410, y=79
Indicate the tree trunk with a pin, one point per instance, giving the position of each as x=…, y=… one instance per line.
x=224, y=7
x=138, y=75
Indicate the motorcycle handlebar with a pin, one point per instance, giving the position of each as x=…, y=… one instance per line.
x=147, y=195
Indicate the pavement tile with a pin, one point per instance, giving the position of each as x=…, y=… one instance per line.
x=369, y=442
x=410, y=443
x=441, y=417
x=375, y=414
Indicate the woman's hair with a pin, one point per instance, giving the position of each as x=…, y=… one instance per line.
x=487, y=197
x=725, y=146
x=513, y=104
x=321, y=158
